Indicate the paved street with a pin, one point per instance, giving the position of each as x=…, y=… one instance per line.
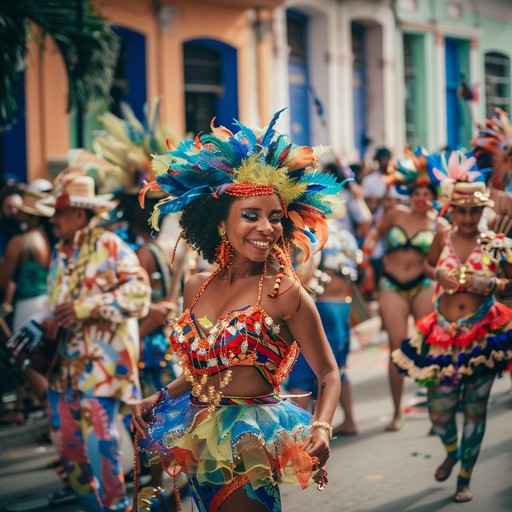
x=373, y=471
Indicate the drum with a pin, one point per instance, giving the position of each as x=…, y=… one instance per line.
x=36, y=346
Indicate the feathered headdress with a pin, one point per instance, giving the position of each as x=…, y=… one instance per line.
x=461, y=181
x=130, y=143
x=410, y=172
x=249, y=163
x=493, y=148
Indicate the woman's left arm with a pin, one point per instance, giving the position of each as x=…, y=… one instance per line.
x=13, y=253
x=306, y=328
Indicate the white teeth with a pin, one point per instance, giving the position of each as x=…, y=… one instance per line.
x=258, y=243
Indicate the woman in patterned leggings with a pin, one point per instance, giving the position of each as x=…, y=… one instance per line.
x=460, y=348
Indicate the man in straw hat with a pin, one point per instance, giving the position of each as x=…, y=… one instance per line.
x=96, y=284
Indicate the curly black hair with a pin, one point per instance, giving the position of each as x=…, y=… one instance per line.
x=201, y=218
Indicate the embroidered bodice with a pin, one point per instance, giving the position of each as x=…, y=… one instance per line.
x=397, y=238
x=477, y=262
x=244, y=337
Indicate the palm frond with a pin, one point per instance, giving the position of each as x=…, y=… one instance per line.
x=88, y=46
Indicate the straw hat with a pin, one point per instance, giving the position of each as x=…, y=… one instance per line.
x=470, y=193
x=78, y=191
x=32, y=204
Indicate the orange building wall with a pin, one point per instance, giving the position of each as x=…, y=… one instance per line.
x=164, y=47
x=46, y=104
x=48, y=124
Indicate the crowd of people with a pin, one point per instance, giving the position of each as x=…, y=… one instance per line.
x=197, y=353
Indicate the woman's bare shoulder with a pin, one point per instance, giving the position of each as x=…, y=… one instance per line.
x=192, y=286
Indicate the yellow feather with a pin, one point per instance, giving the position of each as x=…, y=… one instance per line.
x=115, y=126
x=257, y=172
x=160, y=163
x=153, y=220
x=320, y=151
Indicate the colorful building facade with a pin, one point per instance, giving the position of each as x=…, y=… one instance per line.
x=355, y=74
x=398, y=72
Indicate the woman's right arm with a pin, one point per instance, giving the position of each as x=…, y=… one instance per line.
x=142, y=411
x=429, y=267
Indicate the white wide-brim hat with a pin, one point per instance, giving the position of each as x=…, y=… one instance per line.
x=79, y=192
x=474, y=193
x=32, y=204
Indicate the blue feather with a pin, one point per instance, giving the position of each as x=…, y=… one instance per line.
x=178, y=203
x=269, y=134
x=245, y=136
x=320, y=181
x=281, y=144
x=310, y=235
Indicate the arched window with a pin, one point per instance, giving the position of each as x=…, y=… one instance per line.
x=497, y=82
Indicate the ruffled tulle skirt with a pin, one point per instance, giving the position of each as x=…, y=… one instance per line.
x=444, y=352
x=262, y=439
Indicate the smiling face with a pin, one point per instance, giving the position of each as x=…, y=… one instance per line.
x=421, y=198
x=253, y=226
x=466, y=218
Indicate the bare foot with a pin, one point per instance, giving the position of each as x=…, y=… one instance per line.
x=463, y=494
x=445, y=469
x=395, y=426
x=345, y=429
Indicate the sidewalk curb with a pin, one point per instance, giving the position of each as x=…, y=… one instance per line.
x=16, y=436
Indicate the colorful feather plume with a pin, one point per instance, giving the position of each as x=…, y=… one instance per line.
x=451, y=169
x=493, y=148
x=410, y=172
x=129, y=143
x=211, y=162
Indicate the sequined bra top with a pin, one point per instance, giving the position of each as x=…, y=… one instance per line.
x=397, y=238
x=244, y=337
x=478, y=262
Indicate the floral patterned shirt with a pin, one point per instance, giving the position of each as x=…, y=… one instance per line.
x=103, y=277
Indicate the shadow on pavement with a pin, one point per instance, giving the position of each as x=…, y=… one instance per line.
x=407, y=503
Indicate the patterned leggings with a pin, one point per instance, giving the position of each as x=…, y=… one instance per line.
x=443, y=403
x=84, y=432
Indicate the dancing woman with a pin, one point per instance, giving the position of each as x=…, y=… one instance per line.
x=465, y=342
x=245, y=198
x=404, y=289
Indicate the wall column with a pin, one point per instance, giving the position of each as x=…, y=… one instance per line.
x=345, y=113
x=440, y=134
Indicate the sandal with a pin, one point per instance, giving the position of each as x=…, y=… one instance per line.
x=445, y=469
x=463, y=494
